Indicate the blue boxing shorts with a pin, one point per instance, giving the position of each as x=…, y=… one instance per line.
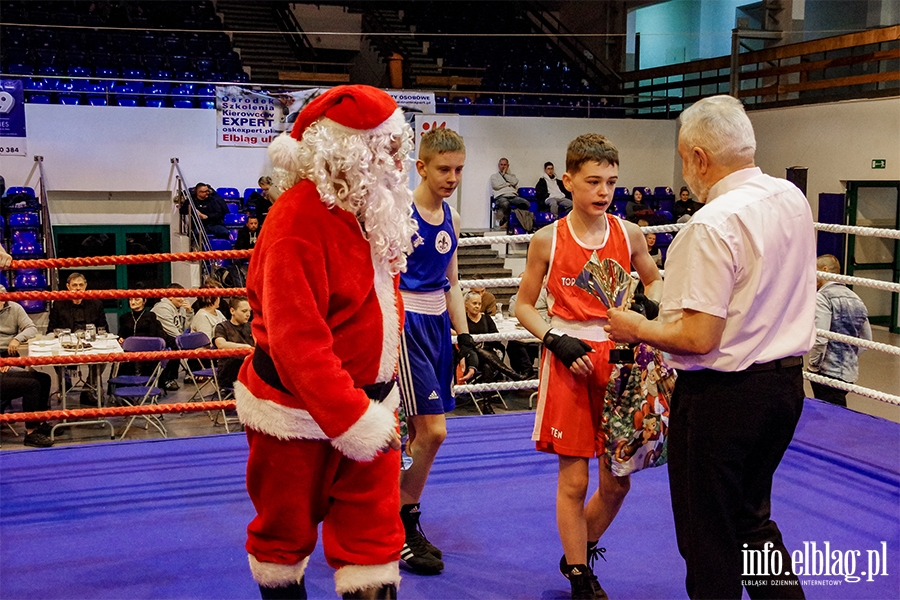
x=426, y=364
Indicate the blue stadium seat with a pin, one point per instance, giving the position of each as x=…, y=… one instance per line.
x=663, y=191
x=33, y=279
x=10, y=191
x=233, y=207
x=24, y=220
x=249, y=192
x=229, y=193
x=25, y=236
x=235, y=220
x=33, y=306
x=26, y=251
x=38, y=98
x=621, y=192
x=529, y=193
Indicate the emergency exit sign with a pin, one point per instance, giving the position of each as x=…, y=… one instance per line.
x=879, y=163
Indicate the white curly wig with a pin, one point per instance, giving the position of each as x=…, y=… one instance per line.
x=364, y=172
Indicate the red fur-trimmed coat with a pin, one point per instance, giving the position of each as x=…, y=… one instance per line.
x=329, y=318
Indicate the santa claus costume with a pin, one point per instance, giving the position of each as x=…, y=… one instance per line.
x=317, y=396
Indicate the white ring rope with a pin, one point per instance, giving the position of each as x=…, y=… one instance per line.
x=893, y=234
x=519, y=336
x=872, y=283
x=828, y=227
x=856, y=389
x=527, y=384
x=848, y=339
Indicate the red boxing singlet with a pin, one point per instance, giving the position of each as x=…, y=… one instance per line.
x=568, y=255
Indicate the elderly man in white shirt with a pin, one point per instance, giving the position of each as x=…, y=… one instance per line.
x=737, y=314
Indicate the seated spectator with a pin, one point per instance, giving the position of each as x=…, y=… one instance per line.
x=505, y=188
x=233, y=333
x=246, y=238
x=210, y=208
x=16, y=328
x=551, y=192
x=263, y=202
x=207, y=316
x=34, y=389
x=521, y=354
x=655, y=253
x=488, y=301
x=172, y=314
x=636, y=208
x=489, y=353
x=76, y=314
x=141, y=322
x=685, y=206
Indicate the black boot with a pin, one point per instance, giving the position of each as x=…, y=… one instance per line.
x=584, y=583
x=292, y=591
x=385, y=592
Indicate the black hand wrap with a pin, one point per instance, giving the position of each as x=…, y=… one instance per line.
x=566, y=348
x=467, y=350
x=645, y=306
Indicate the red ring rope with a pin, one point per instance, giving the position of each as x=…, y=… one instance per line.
x=80, y=359
x=123, y=294
x=117, y=411
x=127, y=259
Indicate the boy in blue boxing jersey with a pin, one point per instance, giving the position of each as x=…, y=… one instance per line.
x=433, y=303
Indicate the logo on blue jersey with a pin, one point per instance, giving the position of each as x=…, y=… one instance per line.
x=442, y=242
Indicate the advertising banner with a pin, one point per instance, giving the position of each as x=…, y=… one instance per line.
x=252, y=118
x=12, y=118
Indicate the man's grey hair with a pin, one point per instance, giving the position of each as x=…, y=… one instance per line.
x=719, y=126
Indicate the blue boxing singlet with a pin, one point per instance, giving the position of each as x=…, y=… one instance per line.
x=426, y=267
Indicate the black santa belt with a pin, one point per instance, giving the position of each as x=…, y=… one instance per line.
x=265, y=368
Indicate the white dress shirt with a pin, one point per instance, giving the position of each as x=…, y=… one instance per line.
x=748, y=256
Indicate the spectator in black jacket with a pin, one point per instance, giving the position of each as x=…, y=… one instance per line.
x=246, y=238
x=141, y=322
x=685, y=206
x=550, y=191
x=76, y=314
x=210, y=208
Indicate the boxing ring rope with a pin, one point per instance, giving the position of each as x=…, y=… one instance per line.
x=127, y=259
x=124, y=294
x=243, y=254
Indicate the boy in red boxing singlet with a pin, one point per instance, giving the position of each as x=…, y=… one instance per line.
x=575, y=365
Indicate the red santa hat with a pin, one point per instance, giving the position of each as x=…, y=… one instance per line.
x=357, y=107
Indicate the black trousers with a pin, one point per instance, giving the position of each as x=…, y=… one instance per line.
x=829, y=394
x=32, y=386
x=727, y=434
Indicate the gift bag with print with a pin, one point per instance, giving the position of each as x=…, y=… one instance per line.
x=636, y=412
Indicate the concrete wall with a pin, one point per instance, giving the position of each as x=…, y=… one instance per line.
x=836, y=141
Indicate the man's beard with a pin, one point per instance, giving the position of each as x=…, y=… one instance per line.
x=692, y=178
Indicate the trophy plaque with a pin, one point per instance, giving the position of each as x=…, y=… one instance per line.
x=613, y=285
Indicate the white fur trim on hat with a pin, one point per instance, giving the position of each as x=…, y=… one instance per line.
x=269, y=574
x=354, y=578
x=372, y=432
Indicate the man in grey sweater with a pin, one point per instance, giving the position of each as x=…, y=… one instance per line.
x=505, y=188
x=16, y=327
